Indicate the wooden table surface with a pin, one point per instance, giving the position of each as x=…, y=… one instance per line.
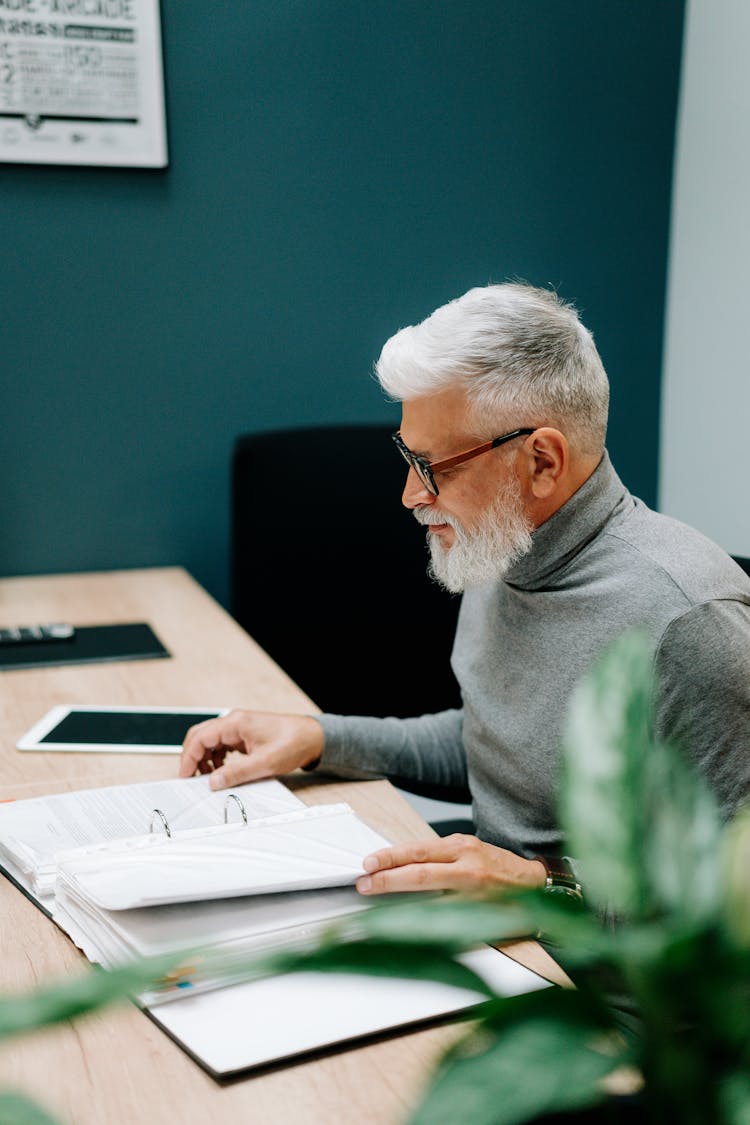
x=116, y=1066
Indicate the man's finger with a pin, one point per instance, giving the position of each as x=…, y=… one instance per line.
x=441, y=850
x=237, y=771
x=411, y=877
x=205, y=738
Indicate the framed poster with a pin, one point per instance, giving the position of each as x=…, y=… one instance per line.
x=81, y=82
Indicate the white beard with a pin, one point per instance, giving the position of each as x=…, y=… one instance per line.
x=485, y=554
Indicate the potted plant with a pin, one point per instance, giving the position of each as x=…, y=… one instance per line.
x=666, y=923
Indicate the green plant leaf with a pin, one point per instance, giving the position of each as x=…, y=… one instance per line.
x=376, y=958
x=454, y=922
x=637, y=815
x=535, y=1054
x=17, y=1109
x=418, y=938
x=451, y=922
x=735, y=1099
x=736, y=864
x=606, y=739
x=72, y=998
x=682, y=847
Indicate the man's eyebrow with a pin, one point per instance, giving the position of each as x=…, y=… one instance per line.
x=424, y=453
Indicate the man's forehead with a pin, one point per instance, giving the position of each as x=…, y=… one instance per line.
x=431, y=422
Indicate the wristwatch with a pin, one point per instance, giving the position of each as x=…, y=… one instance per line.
x=560, y=878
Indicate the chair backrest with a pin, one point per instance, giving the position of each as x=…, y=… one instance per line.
x=328, y=571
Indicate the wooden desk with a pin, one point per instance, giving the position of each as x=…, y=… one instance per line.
x=115, y=1066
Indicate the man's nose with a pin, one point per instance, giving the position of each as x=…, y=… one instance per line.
x=416, y=493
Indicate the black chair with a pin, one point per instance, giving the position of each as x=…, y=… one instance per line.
x=744, y=563
x=328, y=573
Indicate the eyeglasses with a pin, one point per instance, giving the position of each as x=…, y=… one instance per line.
x=426, y=470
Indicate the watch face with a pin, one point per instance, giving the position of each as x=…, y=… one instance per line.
x=561, y=879
x=571, y=894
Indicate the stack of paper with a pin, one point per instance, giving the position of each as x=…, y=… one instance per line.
x=35, y=833
x=316, y=846
x=230, y=890
x=229, y=930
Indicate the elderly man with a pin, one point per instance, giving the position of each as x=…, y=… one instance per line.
x=504, y=414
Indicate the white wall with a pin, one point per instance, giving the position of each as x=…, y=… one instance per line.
x=705, y=438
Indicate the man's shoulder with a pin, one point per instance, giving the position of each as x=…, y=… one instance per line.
x=670, y=553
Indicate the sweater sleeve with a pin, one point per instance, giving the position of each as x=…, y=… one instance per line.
x=702, y=704
x=703, y=686
x=426, y=749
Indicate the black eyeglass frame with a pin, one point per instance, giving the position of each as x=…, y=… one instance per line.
x=426, y=470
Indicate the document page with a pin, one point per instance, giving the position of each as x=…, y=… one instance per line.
x=311, y=847
x=232, y=929
x=35, y=830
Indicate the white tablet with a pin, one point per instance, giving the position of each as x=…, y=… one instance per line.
x=123, y=730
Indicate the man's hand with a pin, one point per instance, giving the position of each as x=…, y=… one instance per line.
x=274, y=744
x=453, y=863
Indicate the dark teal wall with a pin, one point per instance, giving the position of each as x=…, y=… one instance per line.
x=337, y=169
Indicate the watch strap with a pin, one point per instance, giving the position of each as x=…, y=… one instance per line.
x=560, y=875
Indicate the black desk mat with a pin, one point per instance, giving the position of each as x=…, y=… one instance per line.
x=90, y=644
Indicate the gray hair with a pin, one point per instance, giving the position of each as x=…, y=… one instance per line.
x=520, y=353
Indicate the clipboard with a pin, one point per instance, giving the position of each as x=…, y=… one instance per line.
x=241, y=1027
x=291, y=1018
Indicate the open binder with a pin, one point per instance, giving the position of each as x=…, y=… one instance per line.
x=319, y=846
x=229, y=874
x=37, y=833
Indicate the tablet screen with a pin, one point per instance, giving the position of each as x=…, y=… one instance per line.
x=125, y=728
x=159, y=730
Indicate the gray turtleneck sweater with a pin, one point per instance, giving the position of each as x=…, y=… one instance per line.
x=601, y=564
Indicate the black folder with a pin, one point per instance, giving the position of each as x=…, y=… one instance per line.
x=90, y=644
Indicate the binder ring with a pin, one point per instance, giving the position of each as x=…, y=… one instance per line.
x=234, y=797
x=163, y=819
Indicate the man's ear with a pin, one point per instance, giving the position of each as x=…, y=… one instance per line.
x=548, y=461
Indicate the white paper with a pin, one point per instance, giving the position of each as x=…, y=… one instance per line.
x=317, y=846
x=34, y=831
x=232, y=930
x=263, y=1021
x=156, y=930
